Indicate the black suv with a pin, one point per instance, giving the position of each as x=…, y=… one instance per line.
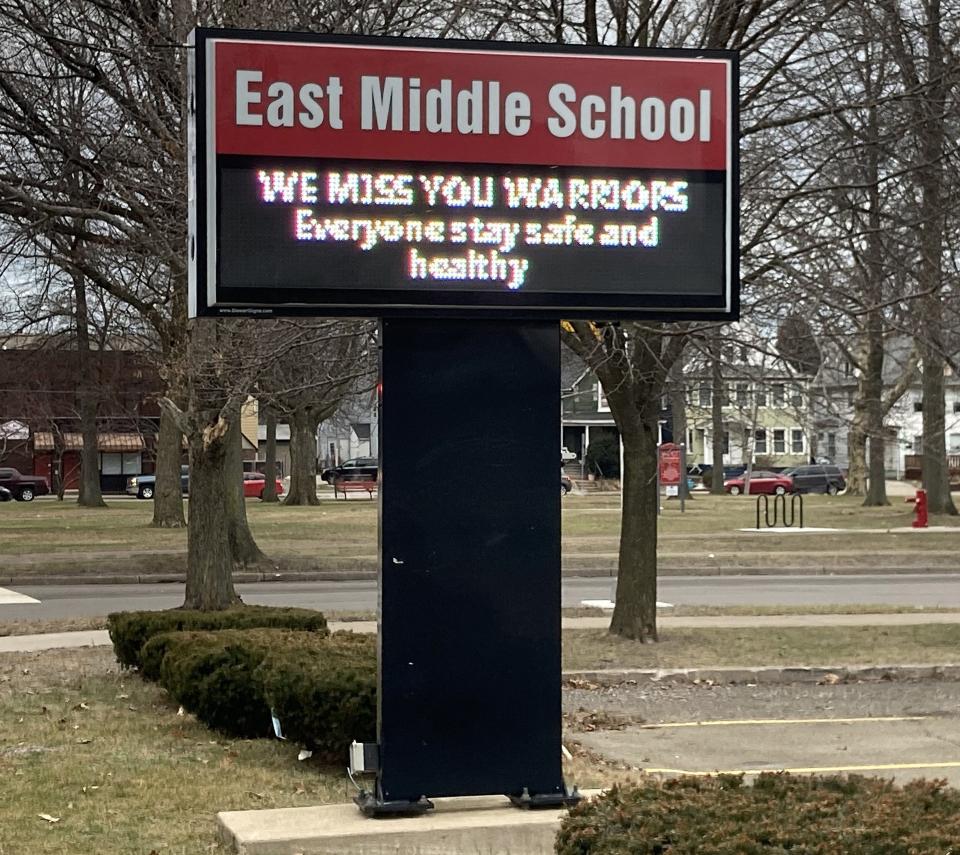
x=356, y=469
x=818, y=478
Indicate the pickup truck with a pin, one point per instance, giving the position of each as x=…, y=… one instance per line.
x=23, y=487
x=144, y=486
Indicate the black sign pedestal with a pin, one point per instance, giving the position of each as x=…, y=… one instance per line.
x=469, y=618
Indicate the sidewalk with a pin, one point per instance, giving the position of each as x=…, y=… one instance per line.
x=97, y=638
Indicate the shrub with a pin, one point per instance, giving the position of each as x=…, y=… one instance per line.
x=603, y=456
x=778, y=814
x=325, y=700
x=213, y=674
x=129, y=631
x=322, y=688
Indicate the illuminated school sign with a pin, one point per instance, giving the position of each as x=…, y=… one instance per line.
x=348, y=176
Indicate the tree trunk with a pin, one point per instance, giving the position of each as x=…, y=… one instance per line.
x=678, y=412
x=857, y=453
x=270, y=464
x=872, y=381
x=933, y=207
x=635, y=613
x=167, y=495
x=936, y=474
x=303, y=460
x=209, y=549
x=243, y=548
x=716, y=482
x=90, y=495
x=872, y=387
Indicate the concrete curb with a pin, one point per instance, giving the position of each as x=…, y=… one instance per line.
x=766, y=674
x=358, y=575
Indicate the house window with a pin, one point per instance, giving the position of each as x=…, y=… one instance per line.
x=796, y=398
x=956, y=406
x=779, y=441
x=726, y=442
x=918, y=406
x=602, y=405
x=955, y=443
x=778, y=395
x=761, y=398
x=796, y=441
x=760, y=441
x=743, y=353
x=706, y=396
x=848, y=368
x=742, y=395
x=832, y=446
x=690, y=439
x=116, y=463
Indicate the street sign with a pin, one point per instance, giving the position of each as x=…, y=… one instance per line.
x=334, y=175
x=670, y=466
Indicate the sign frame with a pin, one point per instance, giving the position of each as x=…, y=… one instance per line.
x=207, y=298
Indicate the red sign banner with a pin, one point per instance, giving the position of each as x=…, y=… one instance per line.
x=383, y=102
x=669, y=464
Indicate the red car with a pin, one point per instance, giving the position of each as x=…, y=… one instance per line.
x=760, y=482
x=253, y=484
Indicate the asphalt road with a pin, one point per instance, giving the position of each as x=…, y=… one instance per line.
x=917, y=590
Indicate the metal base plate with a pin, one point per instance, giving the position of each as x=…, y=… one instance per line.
x=568, y=798
x=373, y=807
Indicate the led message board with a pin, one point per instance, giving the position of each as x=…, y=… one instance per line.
x=348, y=176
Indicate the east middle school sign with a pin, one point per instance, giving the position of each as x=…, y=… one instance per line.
x=384, y=177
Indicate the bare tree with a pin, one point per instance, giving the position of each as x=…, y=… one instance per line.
x=324, y=363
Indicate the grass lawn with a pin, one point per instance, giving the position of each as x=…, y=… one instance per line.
x=107, y=756
x=931, y=644
x=51, y=536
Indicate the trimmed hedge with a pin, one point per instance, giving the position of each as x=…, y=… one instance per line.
x=327, y=700
x=322, y=688
x=780, y=813
x=129, y=631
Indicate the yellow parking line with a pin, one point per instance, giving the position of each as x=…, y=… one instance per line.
x=748, y=721
x=810, y=770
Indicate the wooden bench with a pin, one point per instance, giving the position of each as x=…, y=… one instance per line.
x=345, y=486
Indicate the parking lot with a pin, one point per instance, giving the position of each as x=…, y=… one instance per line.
x=900, y=730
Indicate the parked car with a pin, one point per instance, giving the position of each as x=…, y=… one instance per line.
x=356, y=469
x=760, y=482
x=566, y=485
x=23, y=487
x=818, y=478
x=253, y=484
x=144, y=486
x=5, y=495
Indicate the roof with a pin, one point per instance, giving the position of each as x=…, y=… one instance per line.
x=43, y=441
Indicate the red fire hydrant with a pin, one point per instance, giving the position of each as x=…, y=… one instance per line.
x=920, y=509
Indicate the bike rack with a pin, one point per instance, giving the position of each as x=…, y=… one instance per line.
x=780, y=502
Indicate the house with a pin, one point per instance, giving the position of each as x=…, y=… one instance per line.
x=765, y=414
x=585, y=413
x=835, y=389
x=351, y=432
x=40, y=378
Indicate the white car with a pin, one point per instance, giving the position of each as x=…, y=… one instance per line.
x=567, y=456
